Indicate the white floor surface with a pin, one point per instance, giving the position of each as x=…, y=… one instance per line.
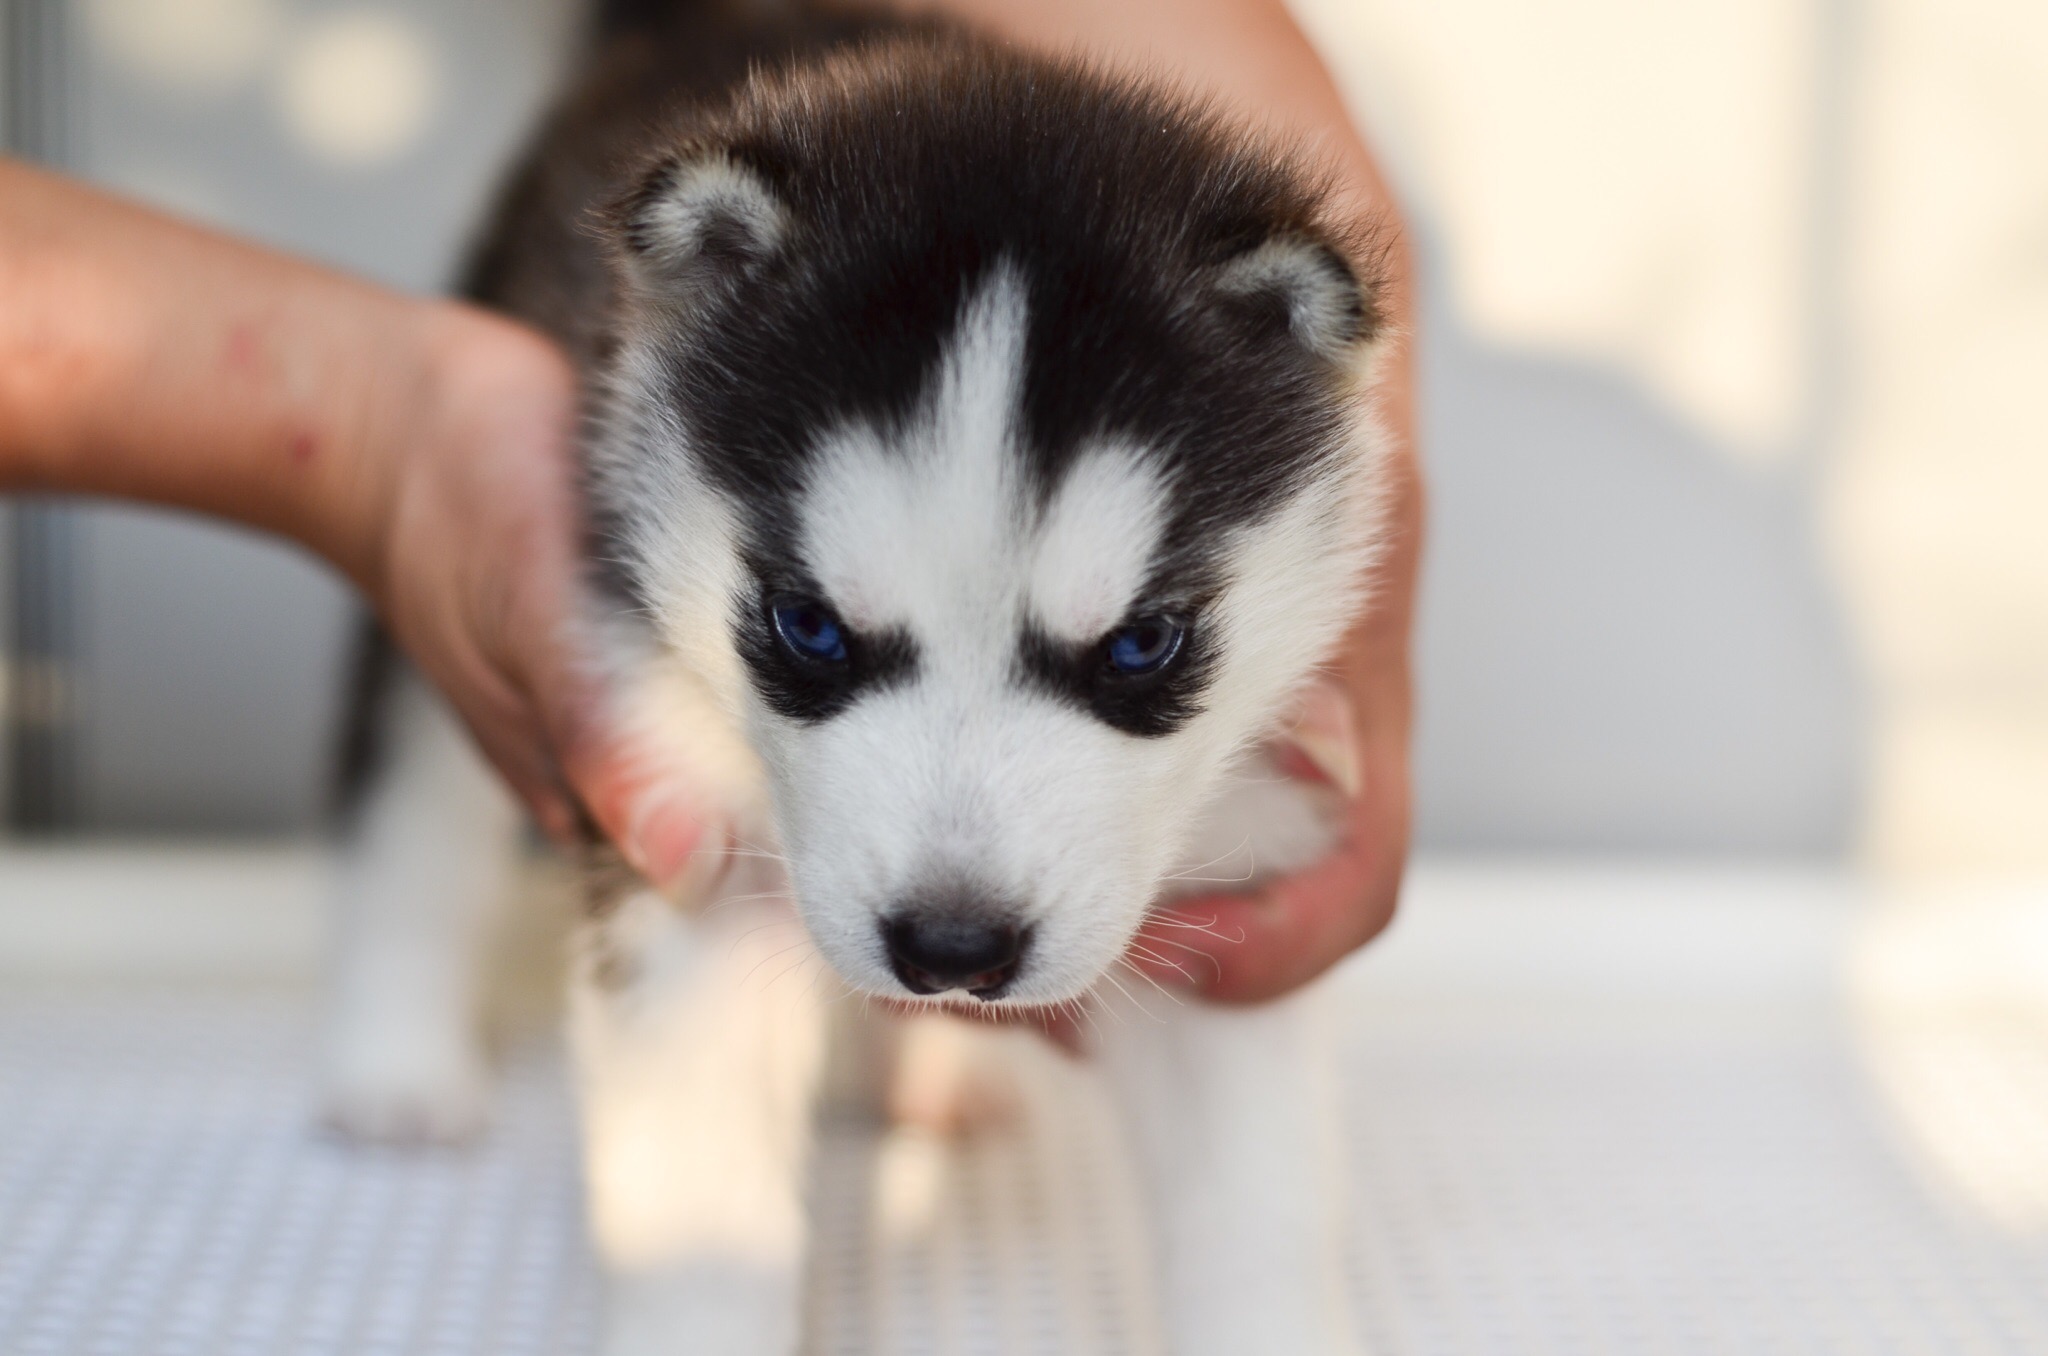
x=1593, y=1109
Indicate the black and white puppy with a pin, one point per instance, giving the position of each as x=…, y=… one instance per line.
x=982, y=464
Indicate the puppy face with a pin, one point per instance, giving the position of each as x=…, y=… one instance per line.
x=1000, y=526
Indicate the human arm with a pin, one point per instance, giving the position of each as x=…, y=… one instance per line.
x=420, y=446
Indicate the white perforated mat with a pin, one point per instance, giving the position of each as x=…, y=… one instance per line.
x=1624, y=1118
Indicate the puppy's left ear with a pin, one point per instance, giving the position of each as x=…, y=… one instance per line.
x=1303, y=285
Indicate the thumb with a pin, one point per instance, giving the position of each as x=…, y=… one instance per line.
x=643, y=803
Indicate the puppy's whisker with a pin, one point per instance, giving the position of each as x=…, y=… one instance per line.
x=1129, y=997
x=755, y=968
x=758, y=850
x=1188, y=874
x=1209, y=928
x=788, y=970
x=822, y=973
x=1215, y=965
x=1081, y=1012
x=740, y=940
x=1149, y=954
x=737, y=852
x=845, y=996
x=731, y=900
x=1171, y=996
x=741, y=937
x=766, y=986
x=1143, y=935
x=1210, y=880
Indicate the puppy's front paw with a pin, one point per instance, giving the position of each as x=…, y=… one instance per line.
x=416, y=1096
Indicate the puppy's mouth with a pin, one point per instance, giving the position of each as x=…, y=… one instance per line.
x=1060, y=1022
x=960, y=1005
x=982, y=988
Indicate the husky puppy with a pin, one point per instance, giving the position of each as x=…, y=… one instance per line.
x=980, y=466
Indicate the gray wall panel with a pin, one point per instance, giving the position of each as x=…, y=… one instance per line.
x=214, y=657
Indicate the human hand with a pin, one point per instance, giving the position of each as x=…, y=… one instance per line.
x=476, y=574
x=423, y=447
x=1245, y=948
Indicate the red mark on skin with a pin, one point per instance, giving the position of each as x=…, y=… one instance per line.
x=304, y=447
x=242, y=351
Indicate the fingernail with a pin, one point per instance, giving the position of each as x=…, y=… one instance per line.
x=663, y=835
x=1326, y=733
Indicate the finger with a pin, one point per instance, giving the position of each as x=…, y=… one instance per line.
x=658, y=823
x=433, y=627
x=532, y=777
x=1247, y=947
x=501, y=719
x=602, y=776
x=496, y=702
x=643, y=803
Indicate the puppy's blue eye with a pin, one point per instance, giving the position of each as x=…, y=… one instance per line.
x=810, y=629
x=1147, y=645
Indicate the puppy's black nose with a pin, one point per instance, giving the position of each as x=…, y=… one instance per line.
x=935, y=952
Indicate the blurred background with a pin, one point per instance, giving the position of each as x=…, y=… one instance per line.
x=1733, y=653
x=1736, y=323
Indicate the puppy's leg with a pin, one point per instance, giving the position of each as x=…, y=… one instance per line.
x=1234, y=1116
x=951, y=1078
x=699, y=1046
x=430, y=859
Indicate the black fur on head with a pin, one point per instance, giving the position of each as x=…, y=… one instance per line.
x=808, y=247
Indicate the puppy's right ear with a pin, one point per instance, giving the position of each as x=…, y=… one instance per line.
x=697, y=221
